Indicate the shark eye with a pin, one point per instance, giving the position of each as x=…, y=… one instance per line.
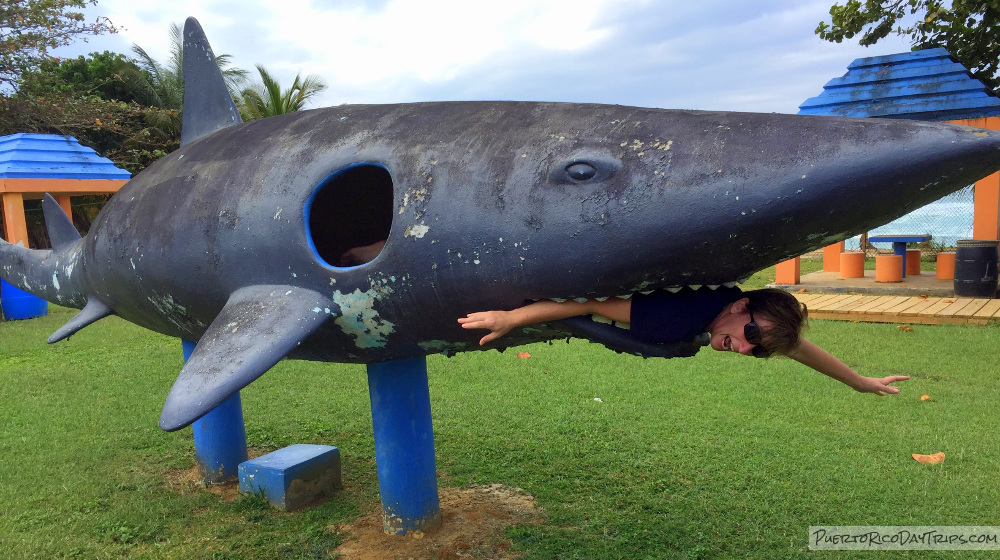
x=581, y=171
x=584, y=168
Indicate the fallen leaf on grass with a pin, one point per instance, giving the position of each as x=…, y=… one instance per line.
x=905, y=328
x=928, y=459
x=523, y=355
x=925, y=397
x=803, y=290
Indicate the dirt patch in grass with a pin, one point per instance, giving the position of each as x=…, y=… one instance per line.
x=187, y=481
x=473, y=523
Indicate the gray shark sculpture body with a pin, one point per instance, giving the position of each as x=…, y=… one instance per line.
x=233, y=240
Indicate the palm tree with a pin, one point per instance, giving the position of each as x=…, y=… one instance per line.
x=155, y=84
x=162, y=86
x=266, y=99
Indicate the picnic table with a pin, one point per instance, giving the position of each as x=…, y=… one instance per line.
x=899, y=242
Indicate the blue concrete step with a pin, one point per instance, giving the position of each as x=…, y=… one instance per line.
x=293, y=476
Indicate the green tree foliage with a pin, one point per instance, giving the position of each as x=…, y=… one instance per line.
x=94, y=99
x=968, y=29
x=116, y=130
x=142, y=117
x=30, y=28
x=98, y=75
x=128, y=110
x=267, y=99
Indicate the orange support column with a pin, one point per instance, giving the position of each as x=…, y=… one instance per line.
x=787, y=272
x=63, y=201
x=986, y=213
x=15, y=228
x=831, y=256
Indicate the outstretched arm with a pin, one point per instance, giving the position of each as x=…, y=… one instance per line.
x=500, y=323
x=808, y=354
x=360, y=255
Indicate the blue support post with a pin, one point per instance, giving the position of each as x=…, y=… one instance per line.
x=220, y=437
x=899, y=248
x=404, y=445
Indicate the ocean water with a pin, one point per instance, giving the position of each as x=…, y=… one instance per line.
x=947, y=219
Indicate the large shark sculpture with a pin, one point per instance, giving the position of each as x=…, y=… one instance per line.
x=234, y=240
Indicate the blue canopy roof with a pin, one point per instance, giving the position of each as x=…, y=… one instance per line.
x=50, y=156
x=925, y=85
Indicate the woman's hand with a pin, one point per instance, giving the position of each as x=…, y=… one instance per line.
x=879, y=386
x=361, y=255
x=498, y=323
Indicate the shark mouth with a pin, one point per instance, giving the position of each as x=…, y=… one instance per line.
x=673, y=289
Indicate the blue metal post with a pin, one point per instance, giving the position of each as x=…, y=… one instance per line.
x=404, y=445
x=220, y=437
x=899, y=248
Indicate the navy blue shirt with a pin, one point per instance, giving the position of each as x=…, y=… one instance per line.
x=663, y=316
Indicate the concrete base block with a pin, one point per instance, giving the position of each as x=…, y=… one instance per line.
x=293, y=476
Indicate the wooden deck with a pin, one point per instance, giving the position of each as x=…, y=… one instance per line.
x=901, y=309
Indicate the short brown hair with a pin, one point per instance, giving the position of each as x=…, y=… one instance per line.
x=787, y=315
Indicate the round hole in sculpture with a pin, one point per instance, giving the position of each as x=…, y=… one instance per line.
x=349, y=215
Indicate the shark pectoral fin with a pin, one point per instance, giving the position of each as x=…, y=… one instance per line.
x=60, y=227
x=622, y=341
x=92, y=312
x=258, y=326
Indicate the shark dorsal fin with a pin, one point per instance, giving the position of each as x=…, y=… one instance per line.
x=208, y=107
x=60, y=227
x=93, y=311
x=258, y=326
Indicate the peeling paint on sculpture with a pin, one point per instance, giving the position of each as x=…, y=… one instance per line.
x=236, y=239
x=358, y=318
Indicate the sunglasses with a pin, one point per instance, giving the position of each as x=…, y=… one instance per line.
x=751, y=332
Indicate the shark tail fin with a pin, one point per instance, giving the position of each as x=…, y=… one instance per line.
x=258, y=326
x=208, y=106
x=48, y=274
x=92, y=312
x=60, y=227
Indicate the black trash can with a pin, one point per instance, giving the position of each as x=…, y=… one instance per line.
x=976, y=268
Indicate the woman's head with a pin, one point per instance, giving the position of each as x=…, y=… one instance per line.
x=786, y=315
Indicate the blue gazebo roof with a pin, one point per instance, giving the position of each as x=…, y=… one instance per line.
x=924, y=85
x=50, y=156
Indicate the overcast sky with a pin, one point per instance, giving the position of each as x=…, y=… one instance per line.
x=731, y=55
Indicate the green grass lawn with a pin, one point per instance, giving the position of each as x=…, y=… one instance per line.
x=716, y=456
